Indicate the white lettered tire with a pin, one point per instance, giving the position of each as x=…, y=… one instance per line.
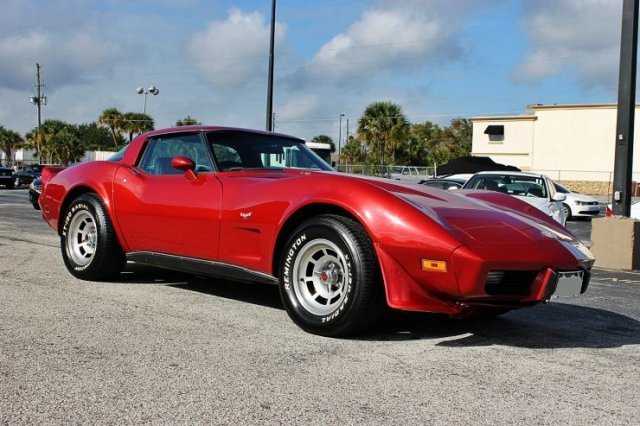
x=89, y=245
x=329, y=277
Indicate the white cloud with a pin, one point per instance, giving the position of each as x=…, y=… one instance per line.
x=390, y=42
x=235, y=50
x=386, y=38
x=64, y=37
x=581, y=37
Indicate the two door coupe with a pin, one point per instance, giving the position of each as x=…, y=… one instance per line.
x=249, y=205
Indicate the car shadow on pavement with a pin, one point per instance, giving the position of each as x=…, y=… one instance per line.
x=257, y=294
x=548, y=326
x=554, y=325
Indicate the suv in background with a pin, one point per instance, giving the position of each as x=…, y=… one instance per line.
x=406, y=174
x=7, y=177
x=28, y=174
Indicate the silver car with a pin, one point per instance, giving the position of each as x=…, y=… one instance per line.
x=533, y=188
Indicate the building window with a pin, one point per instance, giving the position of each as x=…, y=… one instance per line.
x=495, y=132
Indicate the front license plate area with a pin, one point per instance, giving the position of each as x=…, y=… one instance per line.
x=569, y=284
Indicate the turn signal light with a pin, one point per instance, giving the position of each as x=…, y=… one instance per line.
x=434, y=265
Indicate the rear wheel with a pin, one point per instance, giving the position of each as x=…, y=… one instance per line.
x=90, y=248
x=329, y=277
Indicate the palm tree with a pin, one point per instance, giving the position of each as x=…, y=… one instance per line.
x=114, y=120
x=136, y=123
x=10, y=142
x=383, y=126
x=48, y=131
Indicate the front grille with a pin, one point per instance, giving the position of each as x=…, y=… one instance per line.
x=509, y=283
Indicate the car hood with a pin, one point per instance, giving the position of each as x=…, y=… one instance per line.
x=475, y=220
x=580, y=197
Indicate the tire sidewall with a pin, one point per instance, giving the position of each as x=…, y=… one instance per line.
x=80, y=205
x=304, y=235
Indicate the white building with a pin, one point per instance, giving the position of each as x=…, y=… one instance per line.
x=569, y=143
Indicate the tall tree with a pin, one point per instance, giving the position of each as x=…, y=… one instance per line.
x=136, y=123
x=187, y=121
x=114, y=120
x=94, y=137
x=65, y=145
x=424, y=139
x=458, y=135
x=10, y=142
x=383, y=126
x=352, y=151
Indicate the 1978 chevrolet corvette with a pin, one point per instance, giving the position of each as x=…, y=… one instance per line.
x=250, y=205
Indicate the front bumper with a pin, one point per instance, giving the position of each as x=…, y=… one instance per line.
x=513, y=276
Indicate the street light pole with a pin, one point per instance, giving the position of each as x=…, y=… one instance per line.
x=142, y=91
x=270, y=78
x=621, y=202
x=340, y=140
x=38, y=100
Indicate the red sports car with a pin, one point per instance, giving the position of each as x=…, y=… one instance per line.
x=250, y=205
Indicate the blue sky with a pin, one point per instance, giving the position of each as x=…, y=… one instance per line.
x=438, y=59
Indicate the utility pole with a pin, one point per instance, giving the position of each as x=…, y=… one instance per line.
x=271, y=55
x=623, y=166
x=38, y=101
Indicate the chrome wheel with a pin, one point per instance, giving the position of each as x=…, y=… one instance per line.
x=83, y=238
x=321, y=276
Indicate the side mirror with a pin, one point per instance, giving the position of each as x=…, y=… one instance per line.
x=187, y=165
x=559, y=197
x=183, y=163
x=453, y=188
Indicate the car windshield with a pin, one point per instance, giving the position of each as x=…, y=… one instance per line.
x=241, y=150
x=118, y=155
x=525, y=186
x=561, y=188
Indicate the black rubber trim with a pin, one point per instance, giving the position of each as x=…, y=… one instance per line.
x=208, y=268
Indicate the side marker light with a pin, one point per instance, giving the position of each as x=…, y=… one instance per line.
x=434, y=265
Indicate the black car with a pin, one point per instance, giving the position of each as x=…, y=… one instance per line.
x=28, y=174
x=35, y=189
x=7, y=177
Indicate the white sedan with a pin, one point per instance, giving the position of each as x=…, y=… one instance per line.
x=576, y=204
x=533, y=188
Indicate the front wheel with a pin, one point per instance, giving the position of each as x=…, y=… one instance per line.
x=90, y=248
x=329, y=277
x=567, y=211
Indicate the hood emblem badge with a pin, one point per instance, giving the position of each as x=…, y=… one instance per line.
x=245, y=215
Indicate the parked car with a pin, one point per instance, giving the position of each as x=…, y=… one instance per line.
x=533, y=188
x=407, y=174
x=7, y=177
x=445, y=183
x=257, y=206
x=35, y=189
x=26, y=175
x=576, y=204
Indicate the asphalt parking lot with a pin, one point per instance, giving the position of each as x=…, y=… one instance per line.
x=161, y=347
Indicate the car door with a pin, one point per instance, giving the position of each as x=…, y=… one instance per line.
x=165, y=210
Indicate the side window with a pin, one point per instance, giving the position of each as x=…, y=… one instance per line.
x=227, y=157
x=157, y=157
